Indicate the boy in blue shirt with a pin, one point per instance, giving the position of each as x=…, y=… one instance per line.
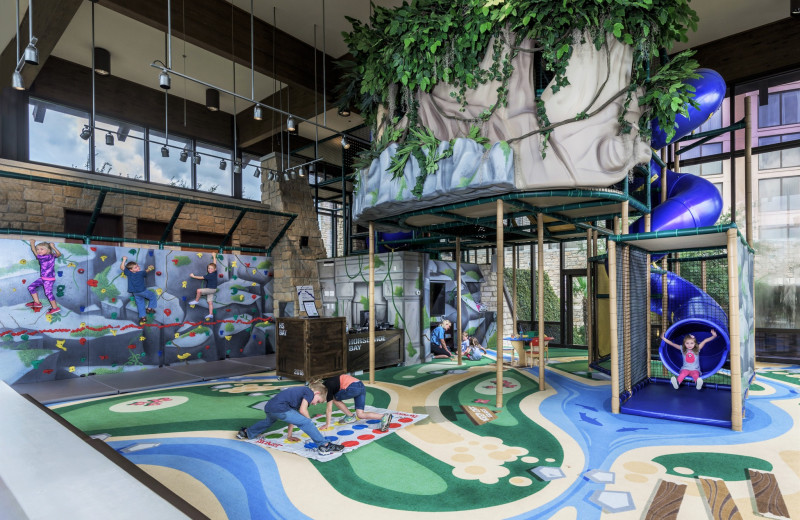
x=138, y=288
x=209, y=290
x=291, y=406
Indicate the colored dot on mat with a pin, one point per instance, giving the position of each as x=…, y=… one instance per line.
x=310, y=445
x=350, y=444
x=342, y=433
x=366, y=437
x=273, y=436
x=373, y=421
x=378, y=432
x=405, y=419
x=359, y=426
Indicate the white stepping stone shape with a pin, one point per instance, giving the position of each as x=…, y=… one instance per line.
x=613, y=501
x=600, y=477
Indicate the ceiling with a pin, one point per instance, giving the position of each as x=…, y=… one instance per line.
x=134, y=45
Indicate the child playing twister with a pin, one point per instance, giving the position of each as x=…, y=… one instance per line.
x=209, y=290
x=290, y=405
x=344, y=387
x=46, y=254
x=138, y=288
x=691, y=358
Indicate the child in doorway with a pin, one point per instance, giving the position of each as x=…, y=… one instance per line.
x=138, y=288
x=474, y=350
x=291, y=406
x=344, y=387
x=46, y=253
x=691, y=359
x=209, y=290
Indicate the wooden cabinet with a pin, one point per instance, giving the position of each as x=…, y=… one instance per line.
x=388, y=349
x=310, y=348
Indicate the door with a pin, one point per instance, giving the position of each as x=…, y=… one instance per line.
x=574, y=307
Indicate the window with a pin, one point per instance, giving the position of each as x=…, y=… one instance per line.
x=213, y=240
x=706, y=168
x=54, y=135
x=152, y=230
x=211, y=174
x=76, y=222
x=169, y=170
x=251, y=185
x=124, y=156
x=781, y=158
x=783, y=109
x=781, y=194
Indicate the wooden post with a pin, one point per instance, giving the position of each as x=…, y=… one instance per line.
x=612, y=327
x=457, y=330
x=371, y=303
x=748, y=174
x=589, y=296
x=540, y=254
x=733, y=331
x=625, y=210
x=514, y=290
x=500, y=268
x=648, y=328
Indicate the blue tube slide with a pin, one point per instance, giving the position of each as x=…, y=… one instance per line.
x=691, y=202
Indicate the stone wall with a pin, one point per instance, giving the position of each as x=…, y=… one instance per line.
x=295, y=264
x=35, y=205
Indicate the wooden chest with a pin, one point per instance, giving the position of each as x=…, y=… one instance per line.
x=388, y=349
x=310, y=348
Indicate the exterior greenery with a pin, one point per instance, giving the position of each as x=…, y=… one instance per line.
x=551, y=301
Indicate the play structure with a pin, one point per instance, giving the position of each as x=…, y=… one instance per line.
x=465, y=166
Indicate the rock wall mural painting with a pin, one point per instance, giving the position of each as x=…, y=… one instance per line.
x=96, y=328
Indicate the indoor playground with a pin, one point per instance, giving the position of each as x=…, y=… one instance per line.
x=502, y=127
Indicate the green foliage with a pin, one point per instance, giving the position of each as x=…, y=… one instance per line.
x=398, y=291
x=73, y=249
x=27, y=357
x=105, y=290
x=551, y=301
x=89, y=333
x=413, y=47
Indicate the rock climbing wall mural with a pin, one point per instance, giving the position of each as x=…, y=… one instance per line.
x=84, y=321
x=440, y=291
x=403, y=297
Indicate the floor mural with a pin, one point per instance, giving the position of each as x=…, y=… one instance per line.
x=557, y=453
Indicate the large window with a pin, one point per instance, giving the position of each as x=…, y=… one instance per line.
x=783, y=109
x=782, y=194
x=251, y=185
x=119, y=149
x=214, y=172
x=54, y=135
x=170, y=169
x=781, y=158
x=705, y=150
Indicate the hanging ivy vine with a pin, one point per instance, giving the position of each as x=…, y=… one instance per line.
x=411, y=48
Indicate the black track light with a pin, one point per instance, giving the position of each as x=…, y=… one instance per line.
x=110, y=139
x=86, y=133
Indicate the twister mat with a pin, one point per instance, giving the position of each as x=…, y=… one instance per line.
x=557, y=454
x=351, y=436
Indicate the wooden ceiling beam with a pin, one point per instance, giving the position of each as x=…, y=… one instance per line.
x=50, y=20
x=209, y=24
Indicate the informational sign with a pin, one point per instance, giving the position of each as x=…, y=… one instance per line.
x=305, y=298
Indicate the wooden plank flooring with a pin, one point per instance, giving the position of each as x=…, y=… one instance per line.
x=667, y=502
x=719, y=499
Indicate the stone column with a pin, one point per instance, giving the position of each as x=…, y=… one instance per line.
x=294, y=257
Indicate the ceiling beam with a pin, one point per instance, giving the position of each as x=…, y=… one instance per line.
x=209, y=24
x=50, y=20
x=297, y=101
x=765, y=50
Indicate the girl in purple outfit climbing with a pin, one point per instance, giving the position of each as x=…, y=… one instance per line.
x=46, y=254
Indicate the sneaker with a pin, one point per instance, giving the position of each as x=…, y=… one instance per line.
x=242, y=434
x=385, y=420
x=54, y=310
x=33, y=304
x=142, y=321
x=209, y=316
x=347, y=419
x=193, y=302
x=150, y=311
x=329, y=447
x=674, y=382
x=699, y=383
